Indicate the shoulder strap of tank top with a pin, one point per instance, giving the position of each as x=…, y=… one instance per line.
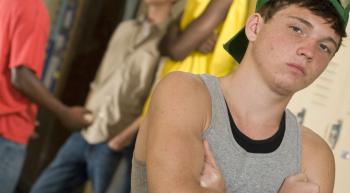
x=217, y=100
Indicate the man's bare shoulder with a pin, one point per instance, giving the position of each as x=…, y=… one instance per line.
x=180, y=96
x=317, y=160
x=182, y=79
x=312, y=142
x=182, y=86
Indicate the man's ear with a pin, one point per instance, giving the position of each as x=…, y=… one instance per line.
x=253, y=25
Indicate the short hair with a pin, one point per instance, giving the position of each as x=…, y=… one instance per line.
x=322, y=8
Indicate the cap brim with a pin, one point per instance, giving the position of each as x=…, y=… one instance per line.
x=237, y=45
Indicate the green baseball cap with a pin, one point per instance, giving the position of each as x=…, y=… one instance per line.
x=238, y=44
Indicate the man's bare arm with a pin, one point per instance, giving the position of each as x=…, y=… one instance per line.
x=175, y=152
x=177, y=45
x=25, y=81
x=318, y=161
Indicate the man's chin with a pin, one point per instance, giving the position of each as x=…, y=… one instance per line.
x=289, y=88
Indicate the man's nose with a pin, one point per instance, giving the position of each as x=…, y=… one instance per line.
x=307, y=49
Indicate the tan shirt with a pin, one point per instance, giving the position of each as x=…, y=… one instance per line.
x=124, y=78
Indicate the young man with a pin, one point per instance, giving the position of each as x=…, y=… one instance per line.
x=116, y=97
x=24, y=30
x=255, y=144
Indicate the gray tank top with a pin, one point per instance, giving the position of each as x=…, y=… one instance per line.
x=243, y=172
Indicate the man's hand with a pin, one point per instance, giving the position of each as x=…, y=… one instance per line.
x=123, y=139
x=76, y=117
x=211, y=176
x=120, y=141
x=208, y=45
x=298, y=184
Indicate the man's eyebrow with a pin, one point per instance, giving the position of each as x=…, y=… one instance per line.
x=333, y=41
x=307, y=23
x=302, y=21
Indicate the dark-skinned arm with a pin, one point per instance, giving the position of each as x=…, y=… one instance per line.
x=26, y=82
x=177, y=45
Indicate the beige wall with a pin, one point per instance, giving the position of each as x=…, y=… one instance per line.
x=342, y=149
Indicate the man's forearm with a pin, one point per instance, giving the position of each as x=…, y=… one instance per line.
x=177, y=45
x=25, y=81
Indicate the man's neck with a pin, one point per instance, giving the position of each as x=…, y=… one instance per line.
x=256, y=108
x=158, y=13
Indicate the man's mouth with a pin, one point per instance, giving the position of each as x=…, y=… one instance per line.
x=297, y=67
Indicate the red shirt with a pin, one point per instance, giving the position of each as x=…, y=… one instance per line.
x=24, y=29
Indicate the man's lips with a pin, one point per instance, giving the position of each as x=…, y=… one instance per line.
x=298, y=67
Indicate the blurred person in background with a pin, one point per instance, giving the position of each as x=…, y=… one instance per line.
x=24, y=30
x=116, y=96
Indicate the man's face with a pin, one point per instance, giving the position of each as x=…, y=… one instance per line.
x=293, y=48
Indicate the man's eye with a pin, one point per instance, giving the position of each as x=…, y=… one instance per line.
x=325, y=48
x=295, y=29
